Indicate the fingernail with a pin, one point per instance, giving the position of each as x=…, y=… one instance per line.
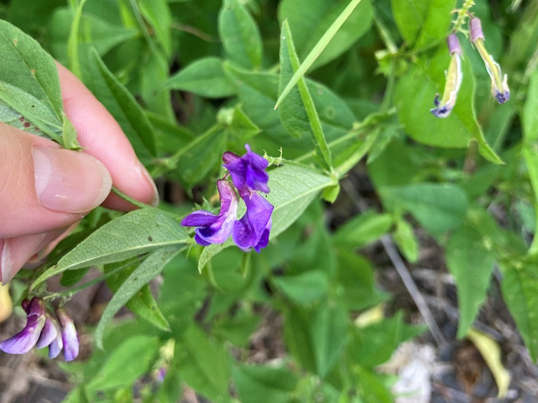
x=5, y=262
x=69, y=181
x=155, y=200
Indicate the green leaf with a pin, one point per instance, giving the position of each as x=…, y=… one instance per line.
x=133, y=234
x=374, y=344
x=298, y=112
x=530, y=143
x=98, y=33
x=318, y=48
x=292, y=189
x=22, y=110
x=275, y=384
x=437, y=207
x=25, y=65
x=239, y=128
x=404, y=237
x=157, y=13
x=329, y=331
x=126, y=363
x=305, y=288
x=423, y=22
x=122, y=105
x=200, y=157
x=363, y=229
x=471, y=264
x=258, y=93
x=72, y=43
x=153, y=74
x=355, y=276
x=204, y=77
x=414, y=97
x=520, y=292
x=143, y=274
x=309, y=20
x=203, y=364
x=240, y=35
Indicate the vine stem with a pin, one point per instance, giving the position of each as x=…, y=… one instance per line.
x=462, y=15
x=130, y=199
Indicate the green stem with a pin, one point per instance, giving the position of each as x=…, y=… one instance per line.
x=130, y=199
x=462, y=15
x=72, y=291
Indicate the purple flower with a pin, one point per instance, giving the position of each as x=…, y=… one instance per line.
x=454, y=78
x=43, y=330
x=51, y=337
x=248, y=170
x=69, y=336
x=27, y=338
x=499, y=82
x=252, y=230
x=215, y=228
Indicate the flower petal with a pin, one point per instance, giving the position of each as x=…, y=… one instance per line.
x=199, y=218
x=48, y=334
x=23, y=341
x=69, y=336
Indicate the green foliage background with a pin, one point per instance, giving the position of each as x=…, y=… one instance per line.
x=188, y=80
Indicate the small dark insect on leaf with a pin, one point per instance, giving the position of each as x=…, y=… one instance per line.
x=150, y=239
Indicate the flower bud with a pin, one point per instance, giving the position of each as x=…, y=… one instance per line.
x=454, y=78
x=499, y=83
x=69, y=335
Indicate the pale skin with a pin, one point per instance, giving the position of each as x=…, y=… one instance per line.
x=46, y=190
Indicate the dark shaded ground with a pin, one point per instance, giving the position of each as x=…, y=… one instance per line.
x=459, y=375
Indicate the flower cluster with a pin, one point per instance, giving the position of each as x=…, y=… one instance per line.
x=454, y=75
x=43, y=330
x=252, y=230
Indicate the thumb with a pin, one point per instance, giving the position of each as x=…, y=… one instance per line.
x=44, y=187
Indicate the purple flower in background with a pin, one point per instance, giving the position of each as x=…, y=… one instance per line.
x=27, y=338
x=215, y=228
x=499, y=82
x=248, y=170
x=454, y=78
x=69, y=336
x=43, y=330
x=252, y=230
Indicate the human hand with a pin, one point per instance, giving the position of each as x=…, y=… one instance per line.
x=45, y=190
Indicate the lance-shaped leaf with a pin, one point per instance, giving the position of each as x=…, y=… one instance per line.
x=135, y=233
x=298, y=112
x=142, y=275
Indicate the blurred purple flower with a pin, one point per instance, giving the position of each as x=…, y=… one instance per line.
x=69, y=336
x=43, y=330
x=215, y=228
x=252, y=230
x=499, y=82
x=248, y=170
x=454, y=78
x=27, y=338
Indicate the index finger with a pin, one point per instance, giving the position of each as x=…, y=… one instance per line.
x=102, y=137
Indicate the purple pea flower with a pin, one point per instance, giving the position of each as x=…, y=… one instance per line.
x=27, y=338
x=215, y=228
x=248, y=170
x=252, y=230
x=454, y=77
x=499, y=82
x=69, y=336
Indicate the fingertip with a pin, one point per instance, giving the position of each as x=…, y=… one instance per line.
x=102, y=137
